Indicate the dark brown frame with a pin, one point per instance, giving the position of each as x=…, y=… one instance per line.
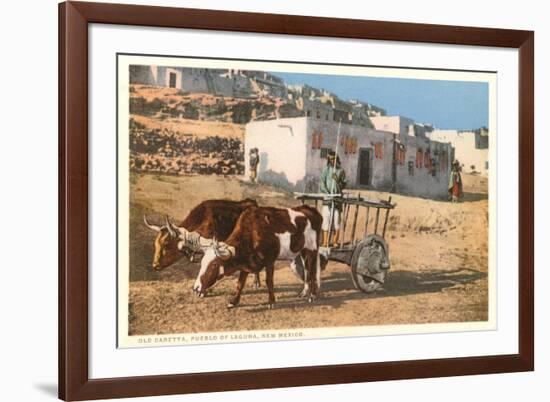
x=74, y=17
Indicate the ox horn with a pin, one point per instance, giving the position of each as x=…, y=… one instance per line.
x=152, y=227
x=172, y=229
x=221, y=250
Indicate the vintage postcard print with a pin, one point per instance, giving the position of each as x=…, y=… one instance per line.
x=262, y=201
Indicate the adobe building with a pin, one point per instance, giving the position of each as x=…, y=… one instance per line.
x=471, y=148
x=221, y=82
x=293, y=153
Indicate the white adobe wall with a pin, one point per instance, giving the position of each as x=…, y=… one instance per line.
x=366, y=138
x=282, y=150
x=421, y=182
x=288, y=159
x=466, y=152
x=177, y=72
x=393, y=124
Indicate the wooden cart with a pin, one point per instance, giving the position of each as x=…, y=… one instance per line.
x=363, y=249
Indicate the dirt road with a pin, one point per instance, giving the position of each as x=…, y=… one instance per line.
x=438, y=254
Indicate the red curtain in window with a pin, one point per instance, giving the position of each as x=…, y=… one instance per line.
x=419, y=158
x=400, y=152
x=379, y=150
x=427, y=159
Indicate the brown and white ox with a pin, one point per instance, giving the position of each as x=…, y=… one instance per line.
x=209, y=219
x=261, y=237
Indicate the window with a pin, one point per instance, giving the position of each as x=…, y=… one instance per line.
x=486, y=165
x=411, y=168
x=308, y=113
x=427, y=159
x=318, y=114
x=419, y=158
x=379, y=150
x=316, y=140
x=324, y=152
x=172, y=80
x=400, y=154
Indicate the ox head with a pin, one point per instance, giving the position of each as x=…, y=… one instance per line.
x=214, y=265
x=168, y=247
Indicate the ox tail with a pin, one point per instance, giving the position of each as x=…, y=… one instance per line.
x=318, y=266
x=318, y=270
x=297, y=266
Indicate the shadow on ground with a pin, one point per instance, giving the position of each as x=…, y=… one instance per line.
x=338, y=288
x=471, y=197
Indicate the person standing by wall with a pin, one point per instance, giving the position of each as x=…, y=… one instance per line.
x=254, y=161
x=455, y=182
x=333, y=181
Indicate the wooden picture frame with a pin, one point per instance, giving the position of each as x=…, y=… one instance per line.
x=74, y=381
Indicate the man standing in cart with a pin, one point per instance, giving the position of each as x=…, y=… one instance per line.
x=333, y=181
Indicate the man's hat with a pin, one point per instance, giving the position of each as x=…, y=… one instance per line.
x=331, y=156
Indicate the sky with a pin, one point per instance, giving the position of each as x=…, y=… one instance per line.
x=459, y=105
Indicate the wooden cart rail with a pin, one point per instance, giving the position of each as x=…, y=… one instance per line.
x=349, y=201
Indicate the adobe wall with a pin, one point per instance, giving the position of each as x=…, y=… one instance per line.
x=365, y=137
x=470, y=151
x=282, y=149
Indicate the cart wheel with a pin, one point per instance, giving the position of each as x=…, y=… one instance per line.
x=370, y=264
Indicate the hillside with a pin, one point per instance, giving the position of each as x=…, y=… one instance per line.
x=164, y=103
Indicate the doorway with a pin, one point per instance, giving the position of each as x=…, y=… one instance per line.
x=172, y=82
x=365, y=167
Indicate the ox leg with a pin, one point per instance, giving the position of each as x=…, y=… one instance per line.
x=269, y=270
x=240, y=285
x=297, y=266
x=305, y=290
x=257, y=281
x=313, y=271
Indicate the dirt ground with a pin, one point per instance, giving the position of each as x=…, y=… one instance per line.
x=438, y=253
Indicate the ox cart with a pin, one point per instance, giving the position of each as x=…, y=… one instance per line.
x=364, y=249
